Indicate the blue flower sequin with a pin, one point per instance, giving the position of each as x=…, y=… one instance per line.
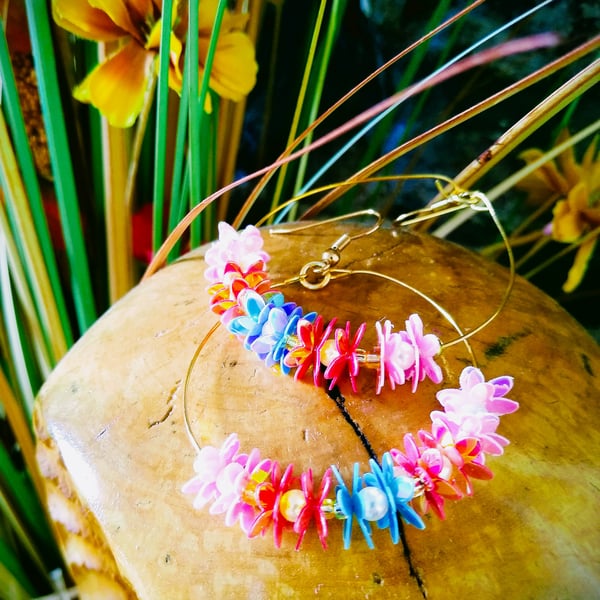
x=399, y=492
x=349, y=506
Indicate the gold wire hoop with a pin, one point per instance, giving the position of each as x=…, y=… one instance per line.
x=186, y=381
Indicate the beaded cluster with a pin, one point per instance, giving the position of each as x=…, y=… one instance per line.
x=434, y=466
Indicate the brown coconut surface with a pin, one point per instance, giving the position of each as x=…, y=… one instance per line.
x=113, y=447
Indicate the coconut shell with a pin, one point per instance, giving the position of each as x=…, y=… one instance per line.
x=114, y=451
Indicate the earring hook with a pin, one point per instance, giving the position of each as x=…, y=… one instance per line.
x=316, y=274
x=449, y=204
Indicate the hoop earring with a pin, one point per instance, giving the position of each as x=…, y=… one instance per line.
x=433, y=466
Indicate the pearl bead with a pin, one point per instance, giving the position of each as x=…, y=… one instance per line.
x=404, y=355
x=405, y=488
x=374, y=503
x=291, y=503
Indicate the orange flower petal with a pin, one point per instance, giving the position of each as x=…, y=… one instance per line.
x=589, y=157
x=566, y=161
x=207, y=12
x=85, y=21
x=568, y=223
x=544, y=181
x=127, y=14
x=234, y=69
x=579, y=196
x=153, y=39
x=117, y=86
x=579, y=267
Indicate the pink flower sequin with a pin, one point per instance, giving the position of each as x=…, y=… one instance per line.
x=476, y=396
x=433, y=472
x=396, y=356
x=244, y=248
x=231, y=483
x=208, y=465
x=426, y=347
x=222, y=475
x=475, y=408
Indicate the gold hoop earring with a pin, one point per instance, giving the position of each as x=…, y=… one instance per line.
x=434, y=465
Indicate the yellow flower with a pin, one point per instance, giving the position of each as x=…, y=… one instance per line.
x=117, y=86
x=576, y=214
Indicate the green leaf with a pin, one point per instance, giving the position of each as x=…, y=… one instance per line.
x=14, y=583
x=162, y=122
x=60, y=156
x=11, y=104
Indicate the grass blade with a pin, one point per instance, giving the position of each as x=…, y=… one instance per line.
x=337, y=11
x=506, y=143
x=28, y=317
x=162, y=122
x=191, y=74
x=14, y=582
x=11, y=104
x=316, y=31
x=9, y=314
x=60, y=157
x=24, y=234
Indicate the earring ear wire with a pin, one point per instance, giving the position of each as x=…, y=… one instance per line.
x=457, y=200
x=316, y=274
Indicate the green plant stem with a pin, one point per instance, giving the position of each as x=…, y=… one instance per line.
x=191, y=82
x=115, y=143
x=287, y=155
x=11, y=322
x=138, y=145
x=26, y=165
x=534, y=215
x=544, y=265
x=383, y=129
x=542, y=242
x=162, y=122
x=29, y=318
x=270, y=89
x=180, y=166
x=493, y=250
x=209, y=126
x=231, y=121
x=467, y=114
x=58, y=147
x=516, y=239
x=34, y=275
x=337, y=11
x=509, y=182
x=14, y=581
x=27, y=542
x=200, y=127
x=316, y=31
